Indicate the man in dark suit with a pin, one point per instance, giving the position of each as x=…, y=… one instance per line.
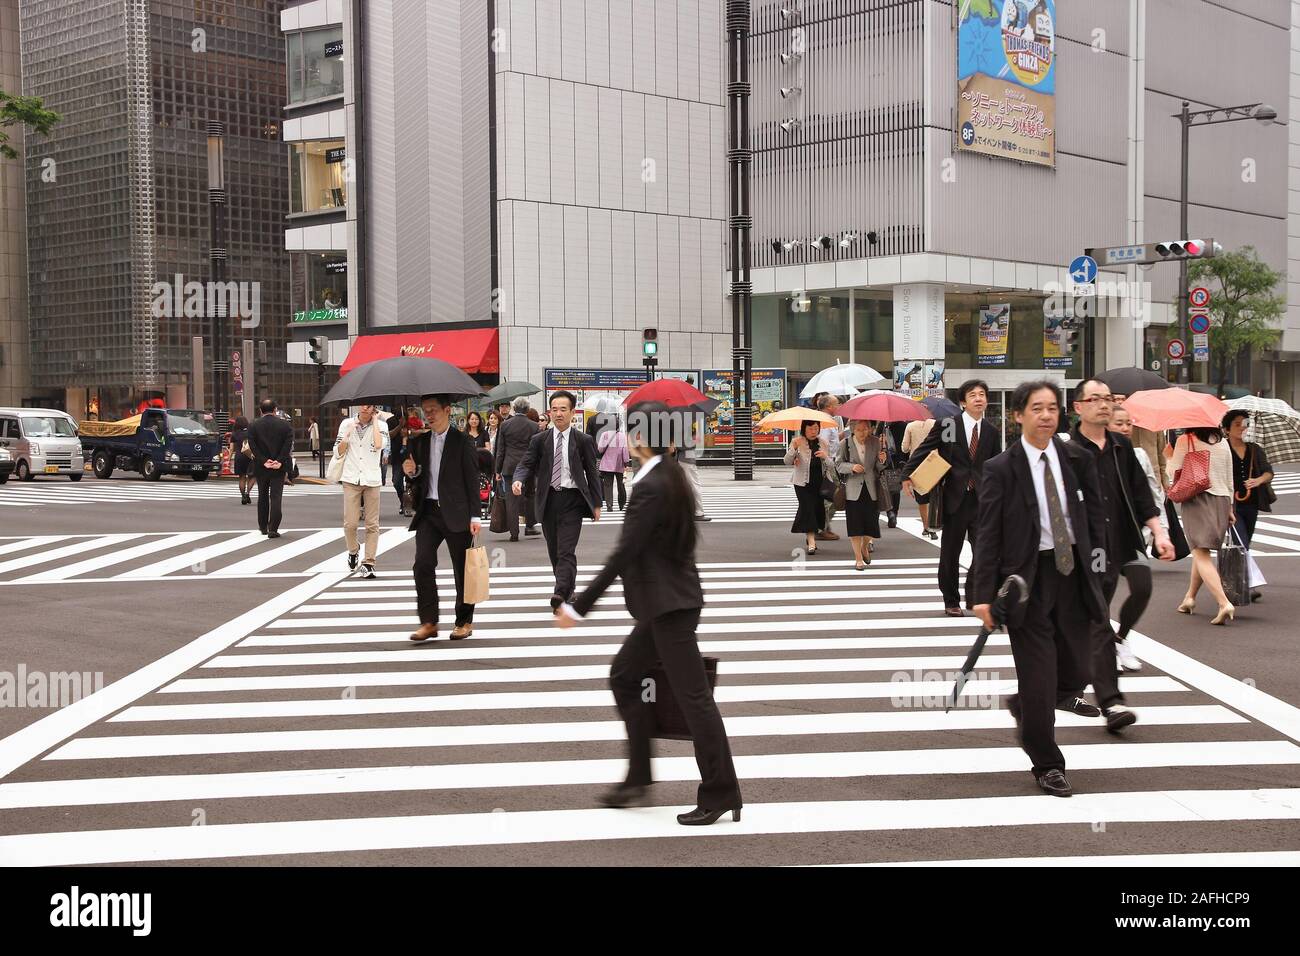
x=965, y=442
x=441, y=465
x=1041, y=517
x=1127, y=506
x=563, y=461
x=270, y=441
x=514, y=435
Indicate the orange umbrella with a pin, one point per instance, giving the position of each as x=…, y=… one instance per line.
x=792, y=419
x=1159, y=409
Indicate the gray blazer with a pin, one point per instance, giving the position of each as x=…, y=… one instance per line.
x=802, y=460
x=870, y=477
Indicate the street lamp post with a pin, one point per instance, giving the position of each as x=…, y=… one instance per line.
x=739, y=157
x=217, y=256
x=1189, y=118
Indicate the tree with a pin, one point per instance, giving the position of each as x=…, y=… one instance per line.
x=27, y=110
x=1244, y=307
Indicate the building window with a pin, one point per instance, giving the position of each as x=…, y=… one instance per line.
x=316, y=177
x=320, y=287
x=315, y=64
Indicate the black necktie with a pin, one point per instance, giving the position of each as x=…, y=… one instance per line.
x=1056, y=517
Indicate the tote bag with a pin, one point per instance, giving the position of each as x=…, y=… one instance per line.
x=1194, y=477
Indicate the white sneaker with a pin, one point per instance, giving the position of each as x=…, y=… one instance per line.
x=1125, y=657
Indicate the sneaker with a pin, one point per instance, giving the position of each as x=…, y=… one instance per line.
x=1118, y=717
x=367, y=570
x=1077, y=705
x=1127, y=659
x=352, y=561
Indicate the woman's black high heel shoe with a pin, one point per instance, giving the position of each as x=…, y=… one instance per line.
x=699, y=817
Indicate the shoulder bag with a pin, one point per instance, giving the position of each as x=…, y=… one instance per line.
x=1193, y=478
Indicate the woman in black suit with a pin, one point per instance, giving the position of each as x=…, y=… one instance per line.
x=655, y=557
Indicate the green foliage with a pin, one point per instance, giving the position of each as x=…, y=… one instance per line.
x=27, y=110
x=1243, y=307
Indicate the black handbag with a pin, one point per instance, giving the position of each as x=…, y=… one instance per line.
x=893, y=479
x=1176, y=536
x=1234, y=571
x=499, y=523
x=667, y=722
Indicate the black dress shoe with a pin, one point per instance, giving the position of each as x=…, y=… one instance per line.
x=624, y=795
x=1118, y=717
x=953, y=611
x=1255, y=596
x=556, y=600
x=531, y=532
x=700, y=817
x=703, y=518
x=1077, y=705
x=514, y=537
x=1013, y=708
x=1054, y=784
x=263, y=530
x=893, y=519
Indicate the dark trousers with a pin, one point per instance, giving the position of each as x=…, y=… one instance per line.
x=1138, y=576
x=1247, y=515
x=958, y=525
x=430, y=531
x=516, y=505
x=1105, y=677
x=607, y=480
x=1050, y=648
x=399, y=485
x=562, y=525
x=270, y=490
x=670, y=638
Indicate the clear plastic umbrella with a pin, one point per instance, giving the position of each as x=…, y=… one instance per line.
x=841, y=380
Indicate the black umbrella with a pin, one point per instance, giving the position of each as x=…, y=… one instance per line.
x=1014, y=592
x=404, y=375
x=1126, y=381
x=509, y=391
x=941, y=407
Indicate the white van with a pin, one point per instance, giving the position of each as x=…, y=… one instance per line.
x=42, y=441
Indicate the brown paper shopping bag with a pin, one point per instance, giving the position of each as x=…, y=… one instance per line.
x=476, y=575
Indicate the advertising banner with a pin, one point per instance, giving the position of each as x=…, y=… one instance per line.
x=1056, y=353
x=919, y=379
x=1006, y=79
x=608, y=386
x=994, y=330
x=767, y=392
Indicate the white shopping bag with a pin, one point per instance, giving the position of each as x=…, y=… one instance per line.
x=1256, y=575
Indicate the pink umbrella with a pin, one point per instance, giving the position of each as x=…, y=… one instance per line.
x=881, y=406
x=1159, y=409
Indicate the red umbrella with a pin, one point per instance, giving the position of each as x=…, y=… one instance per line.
x=674, y=393
x=1159, y=409
x=882, y=406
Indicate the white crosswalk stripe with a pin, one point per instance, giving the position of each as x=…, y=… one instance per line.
x=829, y=683
x=93, y=491
x=1286, y=482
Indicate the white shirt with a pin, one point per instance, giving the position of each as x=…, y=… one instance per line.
x=971, y=426
x=361, y=463
x=437, y=442
x=1045, y=540
x=560, y=447
x=644, y=470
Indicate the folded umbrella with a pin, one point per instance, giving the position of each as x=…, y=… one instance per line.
x=1128, y=381
x=882, y=406
x=674, y=393
x=1014, y=592
x=792, y=419
x=841, y=379
x=404, y=375
x=1158, y=410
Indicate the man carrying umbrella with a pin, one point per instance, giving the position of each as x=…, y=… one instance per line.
x=1127, y=506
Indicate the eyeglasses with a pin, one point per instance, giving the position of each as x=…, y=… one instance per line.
x=1105, y=399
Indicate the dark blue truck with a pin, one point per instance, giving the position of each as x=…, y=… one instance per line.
x=179, y=441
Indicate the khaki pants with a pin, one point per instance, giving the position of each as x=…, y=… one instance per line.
x=354, y=496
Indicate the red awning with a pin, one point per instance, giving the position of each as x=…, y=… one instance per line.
x=474, y=350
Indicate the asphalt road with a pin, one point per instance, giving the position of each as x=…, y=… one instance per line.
x=839, y=762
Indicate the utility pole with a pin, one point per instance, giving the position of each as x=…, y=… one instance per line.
x=739, y=158
x=217, y=255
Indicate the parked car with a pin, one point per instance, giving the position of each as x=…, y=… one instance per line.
x=6, y=465
x=41, y=441
x=157, y=441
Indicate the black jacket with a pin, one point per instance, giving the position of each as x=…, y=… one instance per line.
x=1009, y=529
x=582, y=467
x=513, y=437
x=949, y=437
x=1136, y=506
x=457, y=477
x=270, y=438
x=654, y=582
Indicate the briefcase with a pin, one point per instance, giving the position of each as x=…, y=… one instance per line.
x=929, y=473
x=666, y=719
x=1234, y=571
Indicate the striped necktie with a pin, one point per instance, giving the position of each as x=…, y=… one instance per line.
x=557, y=461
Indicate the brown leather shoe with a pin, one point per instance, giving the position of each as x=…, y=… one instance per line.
x=462, y=631
x=827, y=536
x=424, y=632
x=953, y=611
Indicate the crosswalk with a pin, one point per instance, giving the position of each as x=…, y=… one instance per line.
x=92, y=491
x=739, y=503
x=1286, y=482
x=313, y=728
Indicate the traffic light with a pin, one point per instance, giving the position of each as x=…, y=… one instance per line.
x=1188, y=249
x=649, y=342
x=319, y=349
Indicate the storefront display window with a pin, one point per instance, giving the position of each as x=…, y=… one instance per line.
x=320, y=288
x=316, y=181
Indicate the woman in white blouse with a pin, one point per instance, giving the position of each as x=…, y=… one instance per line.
x=1206, y=517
